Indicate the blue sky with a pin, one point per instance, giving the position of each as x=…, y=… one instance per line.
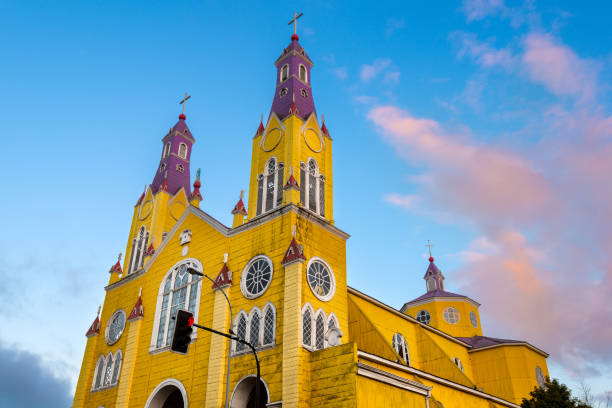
x=481, y=125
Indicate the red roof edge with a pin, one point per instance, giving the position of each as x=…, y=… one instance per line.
x=137, y=310
x=224, y=278
x=291, y=183
x=94, y=328
x=239, y=208
x=295, y=253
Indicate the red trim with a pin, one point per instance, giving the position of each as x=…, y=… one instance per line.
x=324, y=129
x=224, y=278
x=116, y=268
x=291, y=183
x=294, y=253
x=260, y=129
x=150, y=250
x=239, y=208
x=137, y=310
x=141, y=198
x=94, y=328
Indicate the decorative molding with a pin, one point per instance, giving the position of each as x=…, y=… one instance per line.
x=386, y=377
x=185, y=236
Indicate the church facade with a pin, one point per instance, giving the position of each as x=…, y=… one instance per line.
x=280, y=282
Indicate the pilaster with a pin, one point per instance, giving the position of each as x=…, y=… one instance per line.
x=87, y=369
x=217, y=360
x=128, y=364
x=292, y=333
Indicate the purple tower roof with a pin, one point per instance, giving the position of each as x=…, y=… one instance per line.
x=174, y=163
x=293, y=82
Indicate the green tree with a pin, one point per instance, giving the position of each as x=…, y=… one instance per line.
x=552, y=395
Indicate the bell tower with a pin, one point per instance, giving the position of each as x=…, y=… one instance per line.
x=292, y=152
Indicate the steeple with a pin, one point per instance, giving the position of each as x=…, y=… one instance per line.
x=433, y=277
x=174, y=161
x=293, y=91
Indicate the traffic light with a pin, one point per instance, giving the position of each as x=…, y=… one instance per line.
x=182, y=331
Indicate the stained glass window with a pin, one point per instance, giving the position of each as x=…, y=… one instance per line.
x=269, y=322
x=257, y=277
x=254, y=329
x=451, y=315
x=320, y=280
x=423, y=316
x=307, y=328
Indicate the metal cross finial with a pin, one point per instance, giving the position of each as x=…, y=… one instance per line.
x=294, y=21
x=184, y=102
x=429, y=244
x=241, y=194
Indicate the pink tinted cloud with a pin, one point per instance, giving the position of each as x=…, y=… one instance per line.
x=552, y=288
x=484, y=53
x=480, y=180
x=557, y=67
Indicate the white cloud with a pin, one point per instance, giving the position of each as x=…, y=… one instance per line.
x=369, y=72
x=340, y=72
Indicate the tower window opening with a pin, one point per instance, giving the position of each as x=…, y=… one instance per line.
x=304, y=92
x=270, y=186
x=139, y=245
x=162, y=167
x=284, y=72
x=451, y=315
x=166, y=152
x=312, y=187
x=431, y=284
x=303, y=74
x=458, y=363
x=182, y=152
x=180, y=168
x=283, y=92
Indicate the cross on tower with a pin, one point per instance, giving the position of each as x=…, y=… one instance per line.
x=294, y=21
x=184, y=102
x=429, y=244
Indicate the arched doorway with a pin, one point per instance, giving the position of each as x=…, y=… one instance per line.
x=168, y=394
x=244, y=393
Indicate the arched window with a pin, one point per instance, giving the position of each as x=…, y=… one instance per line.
x=269, y=329
x=284, y=72
x=332, y=321
x=307, y=326
x=139, y=245
x=117, y=367
x=312, y=187
x=182, y=152
x=98, y=374
x=431, y=284
x=303, y=74
x=320, y=331
x=108, y=370
x=270, y=186
x=241, y=331
x=179, y=290
x=458, y=363
x=166, y=152
x=254, y=327
x=400, y=346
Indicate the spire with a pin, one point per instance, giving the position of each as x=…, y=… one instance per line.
x=295, y=252
x=323, y=127
x=95, y=326
x=261, y=127
x=116, y=268
x=137, y=310
x=196, y=188
x=173, y=170
x=239, y=208
x=433, y=276
x=291, y=183
x=293, y=78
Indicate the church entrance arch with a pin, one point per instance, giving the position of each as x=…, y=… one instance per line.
x=243, y=395
x=169, y=394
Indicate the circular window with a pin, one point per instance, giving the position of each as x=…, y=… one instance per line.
x=540, y=377
x=115, y=327
x=423, y=316
x=321, y=280
x=284, y=92
x=256, y=277
x=451, y=315
x=473, y=319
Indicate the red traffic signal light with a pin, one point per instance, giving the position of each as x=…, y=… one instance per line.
x=182, y=331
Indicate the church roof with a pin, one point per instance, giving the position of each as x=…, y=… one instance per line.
x=479, y=342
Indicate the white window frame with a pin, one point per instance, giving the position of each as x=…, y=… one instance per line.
x=139, y=246
x=305, y=80
x=108, y=325
x=166, y=151
x=182, y=156
x=400, y=341
x=455, y=311
x=244, y=274
x=94, y=385
x=332, y=290
x=265, y=176
x=160, y=295
x=313, y=326
x=281, y=79
x=307, y=306
x=458, y=363
x=428, y=316
x=260, y=335
x=108, y=360
x=304, y=184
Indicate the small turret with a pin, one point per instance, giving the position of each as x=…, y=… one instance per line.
x=239, y=211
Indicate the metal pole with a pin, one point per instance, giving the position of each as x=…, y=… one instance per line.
x=229, y=346
x=238, y=339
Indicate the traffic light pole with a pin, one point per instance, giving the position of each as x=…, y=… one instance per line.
x=229, y=353
x=238, y=339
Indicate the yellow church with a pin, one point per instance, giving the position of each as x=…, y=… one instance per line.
x=278, y=279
